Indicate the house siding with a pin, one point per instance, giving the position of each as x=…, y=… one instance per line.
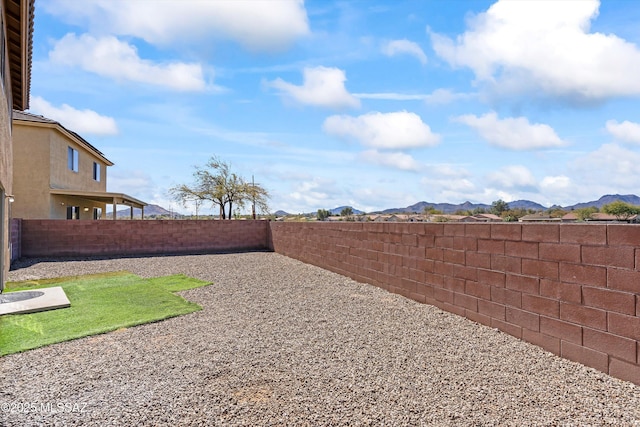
x=40, y=158
x=32, y=170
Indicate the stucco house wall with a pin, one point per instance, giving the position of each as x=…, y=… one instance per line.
x=31, y=160
x=41, y=158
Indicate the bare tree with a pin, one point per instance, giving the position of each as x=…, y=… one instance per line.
x=216, y=183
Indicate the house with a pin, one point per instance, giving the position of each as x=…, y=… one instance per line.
x=539, y=217
x=446, y=218
x=16, y=40
x=487, y=217
x=58, y=174
x=599, y=217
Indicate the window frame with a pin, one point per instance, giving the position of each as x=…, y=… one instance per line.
x=73, y=212
x=96, y=171
x=72, y=159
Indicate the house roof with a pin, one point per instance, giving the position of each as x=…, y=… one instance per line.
x=488, y=216
x=597, y=216
x=19, y=25
x=36, y=120
x=540, y=216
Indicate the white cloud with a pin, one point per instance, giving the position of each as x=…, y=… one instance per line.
x=131, y=182
x=437, y=97
x=395, y=160
x=395, y=130
x=625, y=131
x=257, y=25
x=447, y=188
x=514, y=176
x=80, y=121
x=555, y=183
x=110, y=57
x=445, y=96
x=322, y=86
x=391, y=96
x=609, y=169
x=314, y=192
x=512, y=133
x=396, y=47
x=445, y=170
x=529, y=46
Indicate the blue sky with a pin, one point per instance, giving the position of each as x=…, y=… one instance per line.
x=373, y=104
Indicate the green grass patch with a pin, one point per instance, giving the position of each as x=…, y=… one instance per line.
x=99, y=303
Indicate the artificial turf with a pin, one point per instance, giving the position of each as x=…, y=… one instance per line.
x=99, y=303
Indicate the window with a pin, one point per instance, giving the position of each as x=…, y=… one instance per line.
x=97, y=213
x=72, y=159
x=73, y=212
x=96, y=171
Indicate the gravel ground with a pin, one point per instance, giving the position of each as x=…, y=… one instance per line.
x=280, y=342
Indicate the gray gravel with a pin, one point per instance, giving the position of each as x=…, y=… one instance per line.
x=280, y=342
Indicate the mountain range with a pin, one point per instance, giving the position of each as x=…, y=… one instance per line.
x=450, y=208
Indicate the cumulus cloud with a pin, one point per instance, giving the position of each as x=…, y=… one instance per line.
x=110, y=57
x=554, y=184
x=80, y=121
x=313, y=192
x=512, y=133
x=406, y=47
x=626, y=131
x=322, y=86
x=257, y=25
x=447, y=188
x=395, y=130
x=519, y=46
x=395, y=160
x=513, y=177
x=609, y=169
x=131, y=182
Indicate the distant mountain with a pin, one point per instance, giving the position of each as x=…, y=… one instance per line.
x=336, y=211
x=447, y=208
x=281, y=213
x=526, y=204
x=149, y=210
x=632, y=199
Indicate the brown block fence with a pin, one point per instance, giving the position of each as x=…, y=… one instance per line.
x=572, y=289
x=58, y=238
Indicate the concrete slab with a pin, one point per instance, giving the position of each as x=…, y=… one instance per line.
x=36, y=300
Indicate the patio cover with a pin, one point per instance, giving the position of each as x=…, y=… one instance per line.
x=104, y=197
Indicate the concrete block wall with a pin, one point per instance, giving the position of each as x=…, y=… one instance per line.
x=573, y=289
x=56, y=238
x=15, y=238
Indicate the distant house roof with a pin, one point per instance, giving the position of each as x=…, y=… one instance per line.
x=539, y=217
x=445, y=217
x=19, y=26
x=597, y=216
x=43, y=121
x=488, y=216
